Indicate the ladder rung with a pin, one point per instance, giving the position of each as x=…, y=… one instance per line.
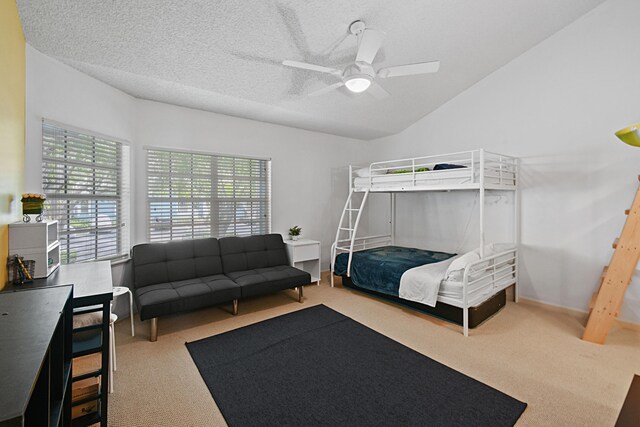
x=592, y=301
x=343, y=249
x=604, y=273
x=346, y=229
x=615, y=243
x=353, y=210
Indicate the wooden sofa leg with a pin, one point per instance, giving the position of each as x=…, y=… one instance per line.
x=235, y=307
x=153, y=330
x=300, y=294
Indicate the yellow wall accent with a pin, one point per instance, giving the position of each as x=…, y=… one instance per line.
x=12, y=111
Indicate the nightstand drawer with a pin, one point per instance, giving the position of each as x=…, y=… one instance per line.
x=306, y=252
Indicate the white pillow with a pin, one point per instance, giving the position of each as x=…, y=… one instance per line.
x=455, y=272
x=457, y=266
x=364, y=172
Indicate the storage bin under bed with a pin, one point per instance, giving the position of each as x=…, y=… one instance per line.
x=477, y=314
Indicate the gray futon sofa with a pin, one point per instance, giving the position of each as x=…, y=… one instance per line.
x=186, y=275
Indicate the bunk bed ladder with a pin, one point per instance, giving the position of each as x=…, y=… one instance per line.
x=350, y=229
x=615, y=278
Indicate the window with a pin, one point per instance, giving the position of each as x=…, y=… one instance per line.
x=86, y=184
x=192, y=195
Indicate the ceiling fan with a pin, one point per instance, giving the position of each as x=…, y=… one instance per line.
x=361, y=76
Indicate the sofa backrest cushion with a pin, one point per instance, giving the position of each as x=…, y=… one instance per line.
x=248, y=253
x=155, y=263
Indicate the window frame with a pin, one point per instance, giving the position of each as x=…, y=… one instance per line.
x=122, y=199
x=213, y=199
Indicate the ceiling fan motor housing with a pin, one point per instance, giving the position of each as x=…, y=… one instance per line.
x=357, y=27
x=358, y=69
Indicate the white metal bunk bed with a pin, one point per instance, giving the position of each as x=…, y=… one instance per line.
x=483, y=171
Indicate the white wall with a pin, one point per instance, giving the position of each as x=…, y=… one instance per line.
x=556, y=107
x=309, y=178
x=58, y=92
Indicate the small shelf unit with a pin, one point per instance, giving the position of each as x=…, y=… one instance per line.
x=304, y=254
x=36, y=241
x=91, y=340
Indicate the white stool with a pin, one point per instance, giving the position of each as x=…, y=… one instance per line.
x=112, y=349
x=121, y=290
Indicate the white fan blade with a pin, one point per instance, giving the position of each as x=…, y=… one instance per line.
x=370, y=42
x=409, y=69
x=312, y=67
x=326, y=89
x=378, y=91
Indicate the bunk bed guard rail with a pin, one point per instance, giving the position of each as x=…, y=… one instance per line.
x=483, y=279
x=480, y=167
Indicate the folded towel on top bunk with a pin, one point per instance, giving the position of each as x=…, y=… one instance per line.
x=366, y=172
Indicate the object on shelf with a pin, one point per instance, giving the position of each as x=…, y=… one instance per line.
x=83, y=390
x=32, y=204
x=20, y=271
x=37, y=241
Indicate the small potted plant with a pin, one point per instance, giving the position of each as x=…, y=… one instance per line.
x=32, y=204
x=294, y=232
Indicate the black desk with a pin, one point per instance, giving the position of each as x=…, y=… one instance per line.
x=92, y=291
x=35, y=356
x=91, y=282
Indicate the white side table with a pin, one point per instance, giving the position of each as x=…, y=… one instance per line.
x=305, y=255
x=121, y=290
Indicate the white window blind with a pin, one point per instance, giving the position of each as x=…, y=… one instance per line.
x=86, y=183
x=192, y=195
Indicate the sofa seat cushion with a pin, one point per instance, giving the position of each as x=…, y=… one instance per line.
x=185, y=295
x=269, y=279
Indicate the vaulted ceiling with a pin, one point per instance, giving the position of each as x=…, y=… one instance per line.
x=225, y=56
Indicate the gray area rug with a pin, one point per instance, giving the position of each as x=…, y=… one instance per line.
x=319, y=367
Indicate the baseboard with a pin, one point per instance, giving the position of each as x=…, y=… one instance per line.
x=576, y=312
x=325, y=277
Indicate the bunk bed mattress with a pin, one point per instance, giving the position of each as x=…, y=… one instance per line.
x=380, y=269
x=429, y=178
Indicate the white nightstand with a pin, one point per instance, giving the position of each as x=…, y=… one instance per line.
x=305, y=255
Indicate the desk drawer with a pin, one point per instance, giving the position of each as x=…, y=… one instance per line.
x=306, y=252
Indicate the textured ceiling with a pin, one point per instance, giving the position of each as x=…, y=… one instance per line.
x=225, y=56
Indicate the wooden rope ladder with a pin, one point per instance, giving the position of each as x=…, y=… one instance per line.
x=605, y=304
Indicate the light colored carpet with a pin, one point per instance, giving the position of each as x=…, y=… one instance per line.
x=529, y=352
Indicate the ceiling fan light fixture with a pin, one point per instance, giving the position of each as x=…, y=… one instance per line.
x=358, y=84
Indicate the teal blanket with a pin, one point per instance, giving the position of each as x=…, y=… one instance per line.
x=380, y=269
